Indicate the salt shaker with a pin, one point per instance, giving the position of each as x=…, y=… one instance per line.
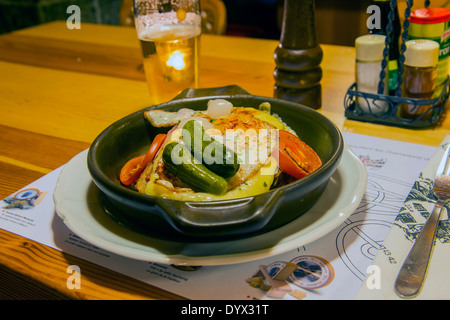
x=369, y=55
x=419, y=75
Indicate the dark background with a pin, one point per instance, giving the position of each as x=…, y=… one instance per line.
x=337, y=21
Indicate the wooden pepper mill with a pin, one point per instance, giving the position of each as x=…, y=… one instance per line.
x=298, y=56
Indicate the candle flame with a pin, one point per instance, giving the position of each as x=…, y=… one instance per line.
x=176, y=60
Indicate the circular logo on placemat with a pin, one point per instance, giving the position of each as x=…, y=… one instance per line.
x=312, y=272
x=26, y=194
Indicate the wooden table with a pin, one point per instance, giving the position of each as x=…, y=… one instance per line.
x=60, y=88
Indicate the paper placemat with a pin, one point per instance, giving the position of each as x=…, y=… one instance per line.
x=333, y=267
x=405, y=230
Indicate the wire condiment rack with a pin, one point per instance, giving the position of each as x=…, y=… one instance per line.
x=392, y=103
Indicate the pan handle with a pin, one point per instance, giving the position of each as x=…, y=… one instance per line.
x=231, y=90
x=213, y=218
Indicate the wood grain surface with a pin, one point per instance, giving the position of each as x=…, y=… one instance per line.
x=60, y=88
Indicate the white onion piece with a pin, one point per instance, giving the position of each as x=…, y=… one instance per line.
x=219, y=108
x=205, y=122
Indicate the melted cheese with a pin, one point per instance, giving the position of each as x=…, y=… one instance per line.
x=247, y=131
x=258, y=184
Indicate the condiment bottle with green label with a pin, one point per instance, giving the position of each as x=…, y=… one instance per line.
x=433, y=24
x=380, y=27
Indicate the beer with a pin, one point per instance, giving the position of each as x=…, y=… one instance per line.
x=170, y=55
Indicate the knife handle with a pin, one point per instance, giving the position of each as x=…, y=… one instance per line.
x=413, y=271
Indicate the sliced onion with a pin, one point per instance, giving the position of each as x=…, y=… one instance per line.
x=219, y=108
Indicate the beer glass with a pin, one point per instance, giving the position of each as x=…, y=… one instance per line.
x=169, y=32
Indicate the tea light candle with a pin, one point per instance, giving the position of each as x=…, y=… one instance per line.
x=176, y=60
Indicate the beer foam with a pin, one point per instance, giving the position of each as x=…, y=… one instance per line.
x=156, y=25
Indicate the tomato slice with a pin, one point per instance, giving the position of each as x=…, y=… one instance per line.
x=134, y=167
x=131, y=170
x=294, y=156
x=154, y=148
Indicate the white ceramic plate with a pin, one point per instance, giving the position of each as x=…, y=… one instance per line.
x=76, y=201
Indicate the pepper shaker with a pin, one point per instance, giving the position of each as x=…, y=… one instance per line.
x=419, y=75
x=298, y=56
